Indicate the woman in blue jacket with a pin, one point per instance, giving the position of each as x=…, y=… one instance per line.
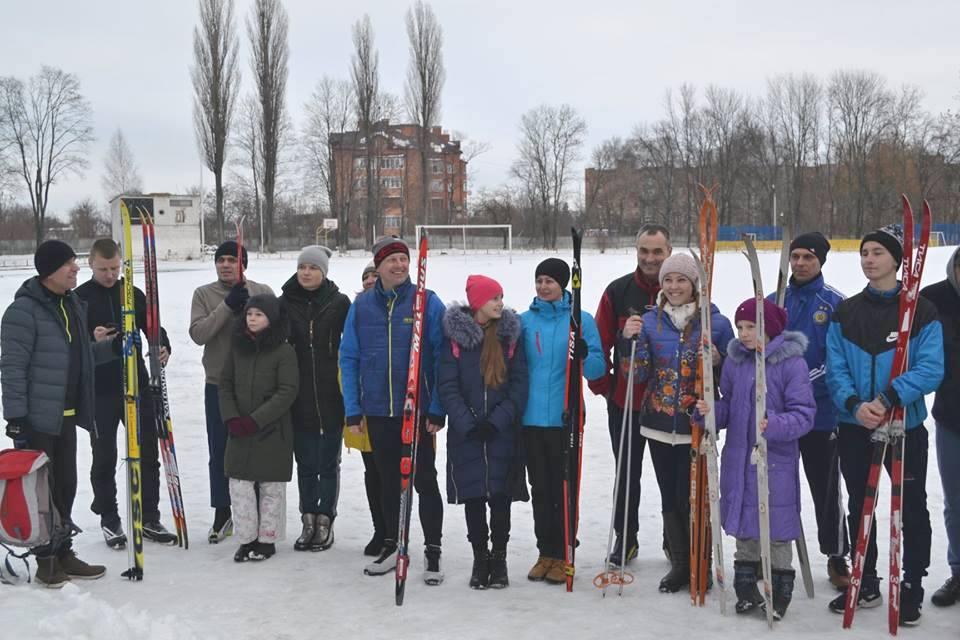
x=482, y=384
x=668, y=349
x=546, y=327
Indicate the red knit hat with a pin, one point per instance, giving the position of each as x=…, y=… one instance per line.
x=774, y=317
x=480, y=290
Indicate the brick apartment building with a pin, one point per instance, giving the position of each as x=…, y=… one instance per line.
x=396, y=168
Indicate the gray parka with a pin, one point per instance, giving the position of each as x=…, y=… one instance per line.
x=34, y=357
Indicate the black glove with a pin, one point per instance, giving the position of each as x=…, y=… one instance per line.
x=580, y=349
x=17, y=430
x=483, y=432
x=237, y=297
x=354, y=421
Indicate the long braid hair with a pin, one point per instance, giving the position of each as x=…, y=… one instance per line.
x=492, y=364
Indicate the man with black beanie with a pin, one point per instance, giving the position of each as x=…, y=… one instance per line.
x=211, y=324
x=47, y=379
x=810, y=303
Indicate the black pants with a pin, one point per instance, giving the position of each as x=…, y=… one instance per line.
x=671, y=463
x=62, y=451
x=818, y=450
x=544, y=450
x=631, y=483
x=371, y=481
x=855, y=453
x=475, y=510
x=386, y=441
x=103, y=470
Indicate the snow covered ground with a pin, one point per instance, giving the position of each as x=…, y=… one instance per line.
x=202, y=593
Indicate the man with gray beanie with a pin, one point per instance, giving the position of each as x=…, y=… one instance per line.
x=810, y=303
x=47, y=378
x=211, y=324
x=317, y=310
x=374, y=359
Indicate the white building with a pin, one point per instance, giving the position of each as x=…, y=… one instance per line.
x=176, y=220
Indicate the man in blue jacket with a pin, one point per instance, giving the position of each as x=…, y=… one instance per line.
x=860, y=347
x=374, y=360
x=810, y=303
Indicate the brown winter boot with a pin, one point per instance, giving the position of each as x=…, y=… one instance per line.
x=50, y=574
x=838, y=572
x=557, y=573
x=539, y=570
x=77, y=568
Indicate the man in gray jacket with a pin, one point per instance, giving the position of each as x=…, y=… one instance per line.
x=46, y=377
x=212, y=314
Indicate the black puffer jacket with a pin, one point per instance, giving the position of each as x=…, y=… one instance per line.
x=316, y=323
x=945, y=295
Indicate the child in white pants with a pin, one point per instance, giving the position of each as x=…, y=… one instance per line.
x=258, y=386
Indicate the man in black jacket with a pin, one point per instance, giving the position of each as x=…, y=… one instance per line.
x=103, y=294
x=946, y=412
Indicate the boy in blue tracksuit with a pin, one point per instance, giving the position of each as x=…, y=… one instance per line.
x=374, y=360
x=546, y=332
x=810, y=303
x=860, y=348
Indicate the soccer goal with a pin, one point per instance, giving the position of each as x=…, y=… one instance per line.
x=477, y=238
x=938, y=239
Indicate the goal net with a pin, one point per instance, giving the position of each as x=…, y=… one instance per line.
x=469, y=238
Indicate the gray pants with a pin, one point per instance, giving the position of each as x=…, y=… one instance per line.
x=781, y=552
x=262, y=519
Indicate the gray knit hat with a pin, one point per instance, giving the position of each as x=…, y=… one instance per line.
x=682, y=263
x=388, y=245
x=370, y=268
x=317, y=255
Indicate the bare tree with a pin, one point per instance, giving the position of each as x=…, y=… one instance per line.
x=250, y=178
x=87, y=220
x=365, y=75
x=859, y=104
x=330, y=111
x=216, y=80
x=120, y=172
x=425, y=79
x=47, y=123
x=725, y=118
x=551, y=139
x=267, y=28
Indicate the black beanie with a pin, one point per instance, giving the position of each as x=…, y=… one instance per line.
x=891, y=237
x=268, y=303
x=814, y=242
x=229, y=248
x=50, y=256
x=556, y=269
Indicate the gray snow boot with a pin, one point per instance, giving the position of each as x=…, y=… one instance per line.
x=309, y=530
x=323, y=538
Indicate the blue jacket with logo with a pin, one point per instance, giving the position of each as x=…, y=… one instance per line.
x=375, y=352
x=861, y=343
x=546, y=335
x=809, y=308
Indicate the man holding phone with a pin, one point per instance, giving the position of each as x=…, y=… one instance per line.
x=103, y=294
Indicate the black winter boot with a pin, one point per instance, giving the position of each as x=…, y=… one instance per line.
x=911, y=601
x=745, y=576
x=480, y=576
x=782, y=591
x=678, y=538
x=498, y=569
x=616, y=554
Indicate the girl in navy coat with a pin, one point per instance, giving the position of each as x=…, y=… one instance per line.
x=482, y=383
x=668, y=346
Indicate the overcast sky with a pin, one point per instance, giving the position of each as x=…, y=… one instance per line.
x=611, y=60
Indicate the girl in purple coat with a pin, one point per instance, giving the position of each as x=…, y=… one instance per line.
x=790, y=412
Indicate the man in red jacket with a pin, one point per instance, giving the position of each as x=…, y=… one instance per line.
x=629, y=295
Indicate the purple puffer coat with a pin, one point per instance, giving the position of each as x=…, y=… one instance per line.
x=790, y=413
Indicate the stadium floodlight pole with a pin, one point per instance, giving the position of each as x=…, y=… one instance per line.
x=774, y=219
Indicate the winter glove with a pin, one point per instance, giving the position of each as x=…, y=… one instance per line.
x=354, y=421
x=237, y=297
x=17, y=430
x=483, y=432
x=242, y=427
x=580, y=349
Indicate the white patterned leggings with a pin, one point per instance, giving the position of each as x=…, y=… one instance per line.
x=265, y=521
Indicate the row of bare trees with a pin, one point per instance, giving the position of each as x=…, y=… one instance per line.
x=834, y=154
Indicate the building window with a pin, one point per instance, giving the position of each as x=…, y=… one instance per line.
x=391, y=162
x=436, y=185
x=360, y=162
x=450, y=168
x=391, y=222
x=391, y=182
x=436, y=166
x=181, y=216
x=360, y=183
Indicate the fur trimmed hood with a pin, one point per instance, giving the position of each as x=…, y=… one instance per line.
x=460, y=327
x=273, y=336
x=787, y=345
